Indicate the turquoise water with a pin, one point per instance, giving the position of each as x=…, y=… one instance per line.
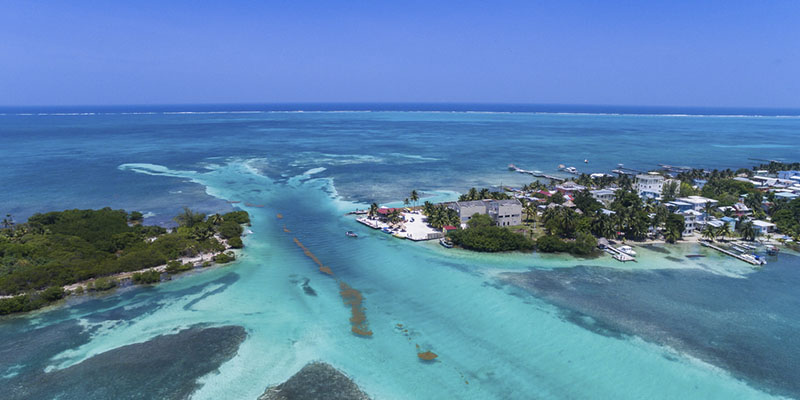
x=504, y=326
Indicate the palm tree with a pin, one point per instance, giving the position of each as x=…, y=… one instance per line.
x=189, y=218
x=373, y=210
x=405, y=202
x=672, y=235
x=414, y=197
x=723, y=231
x=472, y=194
x=709, y=232
x=215, y=219
x=483, y=194
x=8, y=222
x=748, y=231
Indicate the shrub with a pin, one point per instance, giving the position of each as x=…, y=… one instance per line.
x=223, y=258
x=174, y=266
x=236, y=242
x=149, y=276
x=490, y=239
x=239, y=217
x=101, y=284
x=229, y=229
x=52, y=293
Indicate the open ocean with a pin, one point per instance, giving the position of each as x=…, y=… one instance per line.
x=505, y=326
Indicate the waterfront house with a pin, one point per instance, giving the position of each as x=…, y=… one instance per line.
x=763, y=227
x=502, y=212
x=730, y=221
x=691, y=221
x=649, y=185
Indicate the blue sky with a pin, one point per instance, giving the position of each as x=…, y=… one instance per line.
x=680, y=53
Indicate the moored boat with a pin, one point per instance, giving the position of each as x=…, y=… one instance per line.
x=628, y=250
x=446, y=242
x=351, y=234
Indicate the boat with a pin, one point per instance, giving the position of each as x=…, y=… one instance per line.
x=571, y=170
x=446, y=242
x=386, y=230
x=772, y=250
x=738, y=248
x=627, y=250
x=623, y=257
x=754, y=259
x=351, y=234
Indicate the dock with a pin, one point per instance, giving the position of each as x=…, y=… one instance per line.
x=537, y=174
x=732, y=254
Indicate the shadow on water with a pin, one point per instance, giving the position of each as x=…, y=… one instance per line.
x=747, y=326
x=30, y=342
x=165, y=367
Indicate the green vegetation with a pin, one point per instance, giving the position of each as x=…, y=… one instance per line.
x=440, y=215
x=60, y=248
x=674, y=225
x=474, y=194
x=482, y=235
x=584, y=244
x=174, y=267
x=146, y=277
x=786, y=215
x=223, y=258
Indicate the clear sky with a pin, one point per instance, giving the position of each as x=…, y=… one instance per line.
x=680, y=53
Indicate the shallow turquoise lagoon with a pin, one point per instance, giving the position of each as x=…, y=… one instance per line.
x=504, y=326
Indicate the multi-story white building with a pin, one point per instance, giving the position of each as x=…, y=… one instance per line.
x=649, y=185
x=503, y=212
x=605, y=196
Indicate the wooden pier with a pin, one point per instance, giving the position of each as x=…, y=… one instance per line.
x=732, y=254
x=537, y=174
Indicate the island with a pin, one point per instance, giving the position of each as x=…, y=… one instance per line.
x=59, y=253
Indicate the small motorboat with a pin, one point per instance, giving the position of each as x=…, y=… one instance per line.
x=351, y=234
x=772, y=250
x=571, y=170
x=446, y=242
x=628, y=250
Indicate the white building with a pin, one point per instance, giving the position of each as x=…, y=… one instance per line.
x=763, y=227
x=698, y=202
x=503, y=212
x=691, y=221
x=605, y=196
x=649, y=185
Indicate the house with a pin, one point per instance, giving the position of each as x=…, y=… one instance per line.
x=679, y=206
x=690, y=221
x=502, y=212
x=730, y=221
x=649, y=185
x=786, y=195
x=506, y=212
x=698, y=202
x=466, y=209
x=763, y=227
x=789, y=175
x=570, y=188
x=604, y=196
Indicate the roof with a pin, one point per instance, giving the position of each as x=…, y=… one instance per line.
x=601, y=192
x=385, y=210
x=697, y=200
x=448, y=228
x=472, y=203
x=728, y=219
x=763, y=224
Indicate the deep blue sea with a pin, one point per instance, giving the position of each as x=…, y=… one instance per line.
x=504, y=326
